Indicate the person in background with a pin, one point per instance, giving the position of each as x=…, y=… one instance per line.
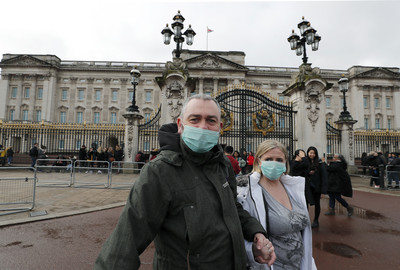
x=10, y=155
x=393, y=173
x=184, y=201
x=299, y=165
x=318, y=179
x=277, y=200
x=34, y=153
x=119, y=156
x=101, y=157
x=373, y=162
x=339, y=183
x=243, y=155
x=235, y=164
x=250, y=161
x=364, y=163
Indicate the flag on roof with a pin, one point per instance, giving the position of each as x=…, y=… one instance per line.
x=209, y=30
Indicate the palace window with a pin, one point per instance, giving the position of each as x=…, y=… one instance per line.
x=96, y=118
x=147, y=117
x=377, y=123
x=98, y=95
x=12, y=114
x=38, y=116
x=63, y=117
x=377, y=103
x=64, y=94
x=328, y=101
x=81, y=94
x=79, y=117
x=25, y=115
x=27, y=92
x=130, y=97
x=389, y=123
x=113, y=118
x=366, y=126
x=148, y=96
x=14, y=92
x=388, y=105
x=40, y=93
x=114, y=95
x=365, y=101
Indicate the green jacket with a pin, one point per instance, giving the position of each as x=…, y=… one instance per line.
x=186, y=203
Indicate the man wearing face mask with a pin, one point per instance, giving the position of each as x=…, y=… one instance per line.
x=185, y=201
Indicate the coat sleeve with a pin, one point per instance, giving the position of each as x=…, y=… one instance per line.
x=250, y=225
x=138, y=224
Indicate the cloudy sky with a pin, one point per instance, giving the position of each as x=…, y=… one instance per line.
x=353, y=33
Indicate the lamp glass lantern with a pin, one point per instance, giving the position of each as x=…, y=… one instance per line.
x=293, y=39
x=167, y=33
x=303, y=25
x=135, y=75
x=315, y=44
x=299, y=48
x=189, y=33
x=343, y=84
x=310, y=34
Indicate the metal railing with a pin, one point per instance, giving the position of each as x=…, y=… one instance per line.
x=125, y=172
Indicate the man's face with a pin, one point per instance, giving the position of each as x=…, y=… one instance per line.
x=201, y=114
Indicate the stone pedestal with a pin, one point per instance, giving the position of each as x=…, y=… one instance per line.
x=347, y=143
x=131, y=135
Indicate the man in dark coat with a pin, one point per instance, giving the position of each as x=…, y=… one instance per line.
x=185, y=202
x=34, y=153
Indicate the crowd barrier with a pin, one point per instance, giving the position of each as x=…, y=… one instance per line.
x=17, y=193
x=94, y=174
x=384, y=176
x=54, y=172
x=123, y=172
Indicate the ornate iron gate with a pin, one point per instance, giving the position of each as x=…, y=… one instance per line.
x=148, y=133
x=333, y=139
x=251, y=116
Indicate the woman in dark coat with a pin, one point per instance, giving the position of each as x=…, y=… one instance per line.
x=299, y=164
x=317, y=179
x=339, y=184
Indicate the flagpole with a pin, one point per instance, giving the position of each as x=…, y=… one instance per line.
x=207, y=39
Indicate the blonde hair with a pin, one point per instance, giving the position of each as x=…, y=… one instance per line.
x=266, y=146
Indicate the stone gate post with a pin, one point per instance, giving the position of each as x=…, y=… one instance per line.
x=132, y=120
x=307, y=94
x=347, y=143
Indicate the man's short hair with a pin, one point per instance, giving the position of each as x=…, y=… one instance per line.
x=202, y=97
x=228, y=149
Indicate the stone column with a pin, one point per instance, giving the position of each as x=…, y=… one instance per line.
x=201, y=84
x=132, y=120
x=347, y=143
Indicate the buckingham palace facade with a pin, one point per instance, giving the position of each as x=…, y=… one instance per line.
x=37, y=88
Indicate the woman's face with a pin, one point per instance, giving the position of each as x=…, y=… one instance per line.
x=273, y=155
x=311, y=154
x=236, y=154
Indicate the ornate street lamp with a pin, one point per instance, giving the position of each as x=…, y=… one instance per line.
x=177, y=26
x=343, y=87
x=135, y=74
x=308, y=35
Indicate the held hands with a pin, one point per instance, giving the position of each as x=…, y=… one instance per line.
x=263, y=250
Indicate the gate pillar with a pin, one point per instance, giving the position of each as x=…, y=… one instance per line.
x=174, y=89
x=347, y=145
x=307, y=94
x=132, y=120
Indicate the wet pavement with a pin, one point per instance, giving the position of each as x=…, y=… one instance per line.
x=68, y=237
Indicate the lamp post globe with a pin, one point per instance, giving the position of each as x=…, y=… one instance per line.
x=177, y=32
x=308, y=35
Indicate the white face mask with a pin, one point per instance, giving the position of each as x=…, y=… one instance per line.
x=272, y=169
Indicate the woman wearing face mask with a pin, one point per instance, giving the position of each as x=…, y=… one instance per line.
x=277, y=200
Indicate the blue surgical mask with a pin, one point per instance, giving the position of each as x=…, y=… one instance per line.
x=199, y=140
x=272, y=169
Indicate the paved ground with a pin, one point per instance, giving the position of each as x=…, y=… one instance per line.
x=78, y=220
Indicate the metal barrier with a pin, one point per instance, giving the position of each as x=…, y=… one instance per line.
x=91, y=174
x=54, y=172
x=393, y=175
x=124, y=173
x=17, y=193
